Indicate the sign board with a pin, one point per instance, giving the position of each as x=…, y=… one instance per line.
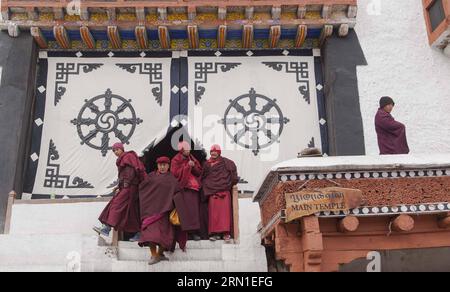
x=308, y=202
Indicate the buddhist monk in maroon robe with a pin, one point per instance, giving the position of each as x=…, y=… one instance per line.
x=156, y=196
x=188, y=171
x=122, y=212
x=219, y=177
x=391, y=134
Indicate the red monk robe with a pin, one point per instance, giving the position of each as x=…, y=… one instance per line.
x=391, y=134
x=156, y=195
x=122, y=212
x=219, y=177
x=187, y=202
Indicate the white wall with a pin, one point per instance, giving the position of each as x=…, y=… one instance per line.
x=77, y=218
x=402, y=65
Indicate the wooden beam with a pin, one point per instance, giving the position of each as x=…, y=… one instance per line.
x=327, y=31
x=302, y=33
x=32, y=13
x=193, y=38
x=444, y=221
x=352, y=11
x=164, y=38
x=236, y=231
x=40, y=39
x=140, y=14
x=61, y=36
x=343, y=30
x=402, y=223
x=249, y=12
x=348, y=224
x=114, y=37
x=58, y=13
x=11, y=198
x=326, y=11
x=274, y=36
x=221, y=36
x=301, y=11
x=87, y=37
x=247, y=36
x=162, y=13
x=112, y=14
x=141, y=37
x=192, y=12
x=13, y=30
x=222, y=13
x=276, y=12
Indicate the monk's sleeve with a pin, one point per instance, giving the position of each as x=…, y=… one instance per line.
x=234, y=174
x=205, y=170
x=128, y=174
x=390, y=124
x=197, y=170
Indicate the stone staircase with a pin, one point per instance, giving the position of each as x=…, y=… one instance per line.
x=202, y=256
x=54, y=237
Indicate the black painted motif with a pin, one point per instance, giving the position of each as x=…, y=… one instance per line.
x=202, y=70
x=64, y=71
x=95, y=118
x=154, y=71
x=53, y=177
x=301, y=70
x=254, y=121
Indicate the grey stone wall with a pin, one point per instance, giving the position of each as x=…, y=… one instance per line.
x=17, y=62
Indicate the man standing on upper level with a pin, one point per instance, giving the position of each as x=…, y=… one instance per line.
x=391, y=134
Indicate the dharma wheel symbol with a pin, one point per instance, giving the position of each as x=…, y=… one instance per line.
x=104, y=117
x=254, y=121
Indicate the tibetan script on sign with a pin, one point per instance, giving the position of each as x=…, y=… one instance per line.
x=309, y=202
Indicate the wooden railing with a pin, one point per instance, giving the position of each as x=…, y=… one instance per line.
x=236, y=214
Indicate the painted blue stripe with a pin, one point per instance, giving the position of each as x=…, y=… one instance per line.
x=261, y=33
x=100, y=34
x=152, y=34
x=74, y=35
x=234, y=34
x=182, y=34
x=48, y=35
x=208, y=34
x=178, y=34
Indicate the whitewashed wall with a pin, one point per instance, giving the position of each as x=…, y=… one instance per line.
x=401, y=64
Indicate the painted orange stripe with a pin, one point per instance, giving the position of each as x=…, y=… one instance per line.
x=87, y=38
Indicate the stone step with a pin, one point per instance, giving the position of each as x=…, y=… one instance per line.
x=203, y=244
x=189, y=266
x=196, y=251
x=33, y=269
x=143, y=254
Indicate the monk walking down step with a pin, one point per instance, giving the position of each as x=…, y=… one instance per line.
x=219, y=178
x=156, y=195
x=188, y=171
x=122, y=212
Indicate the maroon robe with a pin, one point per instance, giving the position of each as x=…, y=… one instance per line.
x=122, y=212
x=219, y=177
x=187, y=202
x=156, y=195
x=391, y=134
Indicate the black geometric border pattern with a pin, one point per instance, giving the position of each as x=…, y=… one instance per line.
x=301, y=70
x=390, y=210
x=64, y=71
x=154, y=71
x=365, y=175
x=53, y=178
x=202, y=70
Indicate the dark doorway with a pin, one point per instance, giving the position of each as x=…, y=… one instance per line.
x=164, y=148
